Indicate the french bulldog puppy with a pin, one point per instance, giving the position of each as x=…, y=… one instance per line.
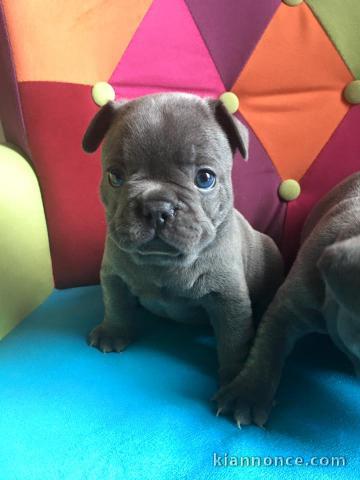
x=175, y=243
x=320, y=294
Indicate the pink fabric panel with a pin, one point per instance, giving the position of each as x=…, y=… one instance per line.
x=167, y=53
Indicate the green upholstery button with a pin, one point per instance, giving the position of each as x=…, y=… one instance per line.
x=231, y=101
x=102, y=92
x=352, y=92
x=293, y=3
x=289, y=190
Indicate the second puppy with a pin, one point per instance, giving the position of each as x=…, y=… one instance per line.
x=320, y=294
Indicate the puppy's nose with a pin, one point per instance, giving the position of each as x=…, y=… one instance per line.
x=158, y=211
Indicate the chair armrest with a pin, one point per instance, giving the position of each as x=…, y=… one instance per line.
x=25, y=263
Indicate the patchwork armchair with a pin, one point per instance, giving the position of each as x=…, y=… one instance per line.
x=290, y=70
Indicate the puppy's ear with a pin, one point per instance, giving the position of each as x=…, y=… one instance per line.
x=99, y=125
x=236, y=133
x=340, y=267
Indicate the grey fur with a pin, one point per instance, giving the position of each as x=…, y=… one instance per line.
x=320, y=294
x=225, y=272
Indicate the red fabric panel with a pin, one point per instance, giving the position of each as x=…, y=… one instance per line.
x=56, y=116
x=339, y=158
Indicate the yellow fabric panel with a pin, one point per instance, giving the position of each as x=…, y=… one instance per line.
x=25, y=264
x=79, y=41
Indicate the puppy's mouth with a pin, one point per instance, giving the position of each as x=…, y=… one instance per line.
x=157, y=247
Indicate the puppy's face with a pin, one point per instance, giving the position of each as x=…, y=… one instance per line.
x=166, y=182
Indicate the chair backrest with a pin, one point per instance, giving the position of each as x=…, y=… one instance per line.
x=288, y=62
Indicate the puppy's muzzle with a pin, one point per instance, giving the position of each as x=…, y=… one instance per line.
x=157, y=213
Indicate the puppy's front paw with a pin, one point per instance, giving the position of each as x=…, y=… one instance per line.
x=248, y=399
x=108, y=338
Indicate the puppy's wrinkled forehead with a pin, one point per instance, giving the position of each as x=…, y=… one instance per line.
x=152, y=131
x=168, y=126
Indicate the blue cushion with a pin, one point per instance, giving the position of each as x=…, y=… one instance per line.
x=68, y=411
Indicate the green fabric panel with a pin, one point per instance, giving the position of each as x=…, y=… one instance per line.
x=341, y=20
x=25, y=263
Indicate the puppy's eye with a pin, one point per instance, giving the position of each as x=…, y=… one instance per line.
x=115, y=179
x=205, y=179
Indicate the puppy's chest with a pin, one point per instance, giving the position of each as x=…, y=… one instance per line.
x=179, y=309
x=173, y=302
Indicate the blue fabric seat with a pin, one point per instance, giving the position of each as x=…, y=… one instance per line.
x=69, y=412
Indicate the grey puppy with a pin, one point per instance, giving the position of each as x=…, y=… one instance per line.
x=320, y=294
x=175, y=243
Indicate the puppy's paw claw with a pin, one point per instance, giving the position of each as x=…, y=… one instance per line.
x=261, y=415
x=242, y=414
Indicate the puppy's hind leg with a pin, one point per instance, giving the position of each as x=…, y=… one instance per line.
x=251, y=395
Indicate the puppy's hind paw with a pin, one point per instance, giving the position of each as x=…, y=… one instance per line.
x=249, y=403
x=108, y=338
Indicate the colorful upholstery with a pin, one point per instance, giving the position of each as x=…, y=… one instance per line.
x=288, y=63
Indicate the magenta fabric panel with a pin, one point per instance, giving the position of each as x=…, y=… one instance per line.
x=231, y=29
x=10, y=106
x=339, y=158
x=167, y=53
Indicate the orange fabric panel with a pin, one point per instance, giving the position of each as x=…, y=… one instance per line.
x=78, y=41
x=290, y=91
